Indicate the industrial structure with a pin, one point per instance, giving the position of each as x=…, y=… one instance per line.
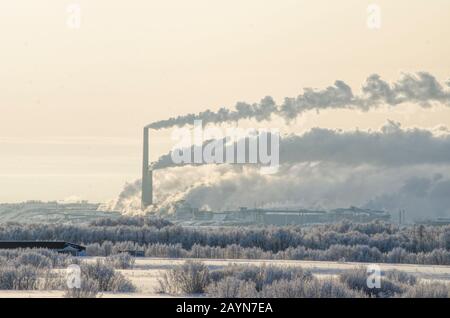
x=277, y=216
x=437, y=221
x=57, y=246
x=147, y=174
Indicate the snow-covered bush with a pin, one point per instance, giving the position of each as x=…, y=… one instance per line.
x=314, y=288
x=120, y=261
x=34, y=259
x=260, y=275
x=232, y=287
x=357, y=280
x=428, y=290
x=106, y=277
x=274, y=282
x=372, y=242
x=189, y=278
x=24, y=277
x=88, y=289
x=401, y=277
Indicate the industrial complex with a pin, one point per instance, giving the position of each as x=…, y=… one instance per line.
x=276, y=216
x=244, y=215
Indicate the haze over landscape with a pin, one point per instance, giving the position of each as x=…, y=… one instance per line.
x=75, y=100
x=238, y=150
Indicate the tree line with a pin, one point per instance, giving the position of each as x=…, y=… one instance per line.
x=372, y=242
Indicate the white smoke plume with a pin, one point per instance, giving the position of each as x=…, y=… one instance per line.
x=423, y=197
x=320, y=169
x=169, y=188
x=422, y=190
x=422, y=89
x=392, y=146
x=128, y=201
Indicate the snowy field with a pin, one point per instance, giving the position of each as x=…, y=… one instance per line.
x=147, y=271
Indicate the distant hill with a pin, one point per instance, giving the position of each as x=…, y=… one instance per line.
x=52, y=212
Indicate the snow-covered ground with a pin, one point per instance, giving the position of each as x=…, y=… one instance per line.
x=147, y=271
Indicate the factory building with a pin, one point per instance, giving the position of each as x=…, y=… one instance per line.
x=244, y=215
x=57, y=246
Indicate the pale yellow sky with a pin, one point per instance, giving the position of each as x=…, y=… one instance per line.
x=132, y=63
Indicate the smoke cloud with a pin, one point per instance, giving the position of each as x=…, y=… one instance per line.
x=392, y=146
x=422, y=190
x=422, y=89
x=422, y=197
x=390, y=169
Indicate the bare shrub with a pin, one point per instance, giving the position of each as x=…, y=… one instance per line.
x=357, y=280
x=7, y=278
x=372, y=242
x=99, y=277
x=58, y=259
x=94, y=249
x=261, y=275
x=19, y=278
x=401, y=277
x=231, y=287
x=34, y=259
x=51, y=280
x=32, y=270
x=136, y=221
x=106, y=277
x=428, y=290
x=120, y=261
x=334, y=289
x=122, y=285
x=39, y=258
x=27, y=278
x=285, y=289
x=88, y=289
x=189, y=278
x=313, y=288
x=4, y=261
x=278, y=282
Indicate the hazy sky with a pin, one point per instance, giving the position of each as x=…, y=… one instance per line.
x=74, y=101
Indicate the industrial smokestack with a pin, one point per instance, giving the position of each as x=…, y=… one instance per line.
x=147, y=175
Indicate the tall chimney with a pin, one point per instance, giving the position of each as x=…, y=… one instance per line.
x=147, y=175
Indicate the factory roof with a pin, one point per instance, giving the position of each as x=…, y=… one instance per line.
x=56, y=245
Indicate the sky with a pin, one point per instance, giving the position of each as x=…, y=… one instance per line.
x=74, y=100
